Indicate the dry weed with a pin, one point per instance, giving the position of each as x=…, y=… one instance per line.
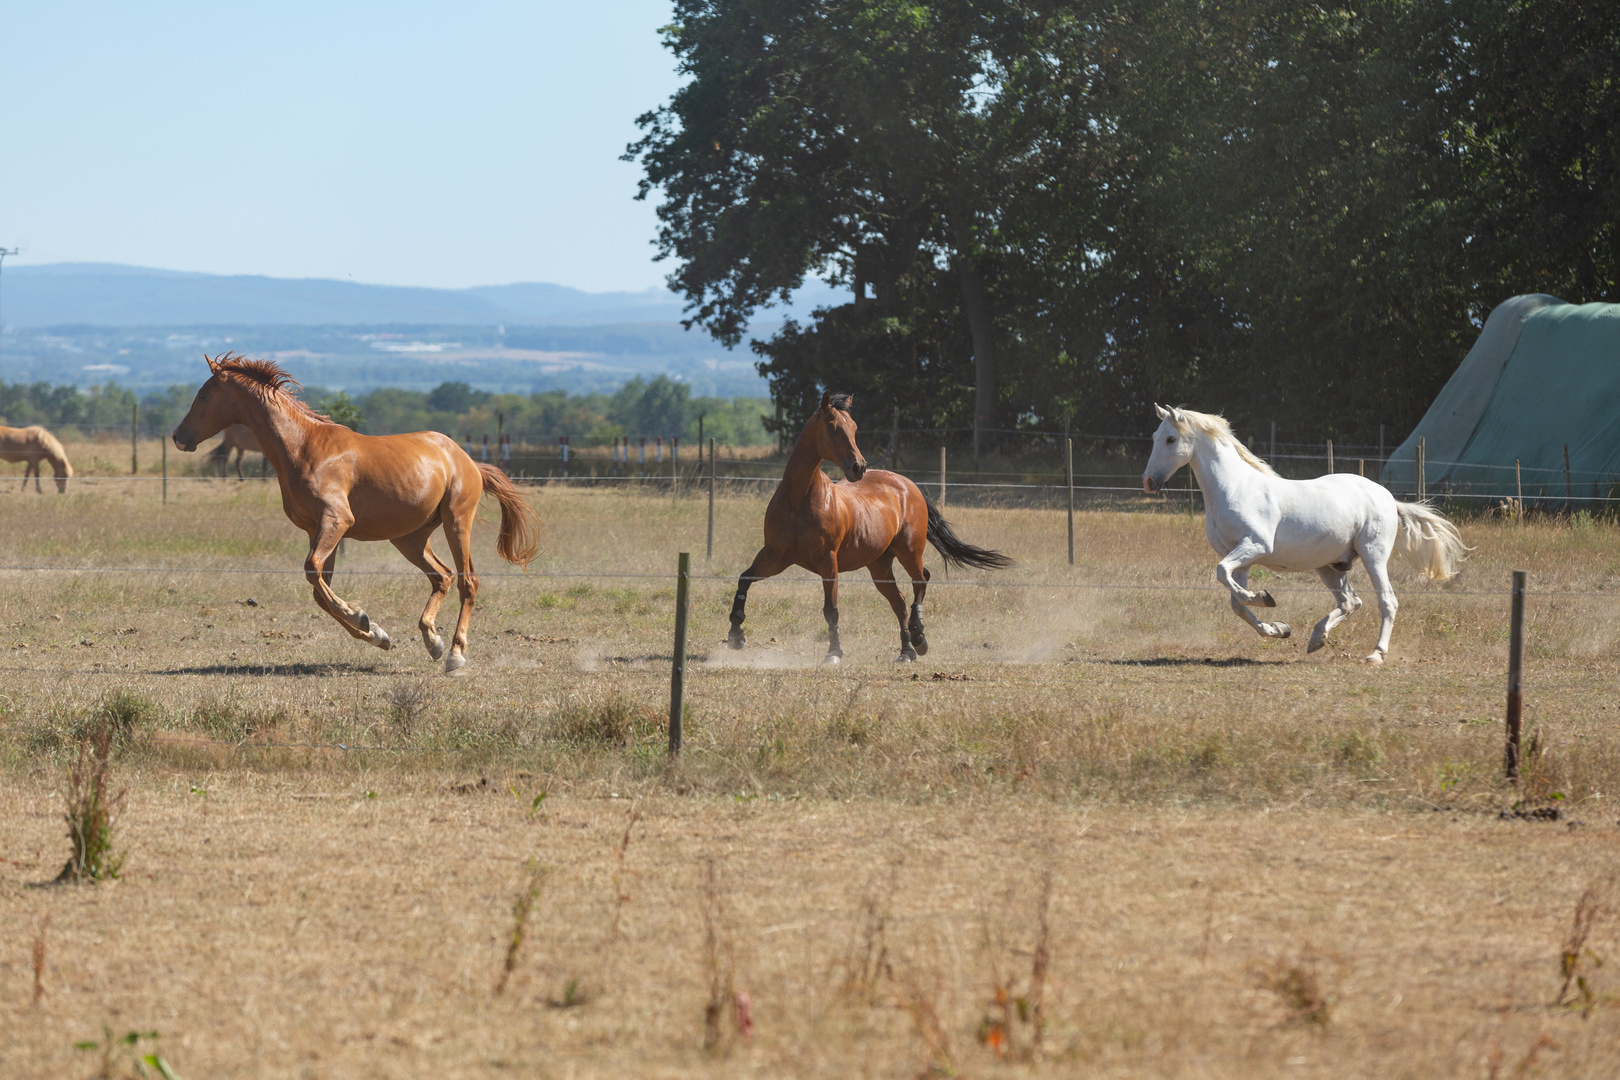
x=1306, y=984
x=408, y=703
x=92, y=807
x=522, y=907
x=1578, y=960
x=1014, y=1027
x=726, y=1002
x=39, y=959
x=867, y=963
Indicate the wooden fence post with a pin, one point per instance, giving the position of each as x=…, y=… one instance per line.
x=1515, y=700
x=1422, y=469
x=1069, y=473
x=942, y=476
x=1518, y=485
x=1330, y=455
x=134, y=434
x=677, y=671
x=1568, y=505
x=710, y=554
x=163, y=452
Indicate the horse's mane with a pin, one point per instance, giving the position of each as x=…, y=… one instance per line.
x=1218, y=429
x=266, y=378
x=841, y=402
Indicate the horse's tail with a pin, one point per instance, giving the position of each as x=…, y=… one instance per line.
x=956, y=551
x=61, y=468
x=520, y=525
x=1430, y=543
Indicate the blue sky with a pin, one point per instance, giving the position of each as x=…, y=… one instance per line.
x=402, y=143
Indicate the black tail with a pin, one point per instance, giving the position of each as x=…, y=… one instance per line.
x=956, y=551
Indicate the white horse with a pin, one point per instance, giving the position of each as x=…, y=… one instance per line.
x=1253, y=517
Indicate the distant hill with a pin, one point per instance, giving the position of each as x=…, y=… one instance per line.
x=89, y=323
x=109, y=294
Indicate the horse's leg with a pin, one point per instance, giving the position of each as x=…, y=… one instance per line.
x=32, y=467
x=1239, y=559
x=766, y=564
x=1337, y=579
x=318, y=572
x=911, y=562
x=418, y=551
x=883, y=577
x=1378, y=570
x=458, y=535
x=827, y=567
x=1264, y=629
x=240, y=454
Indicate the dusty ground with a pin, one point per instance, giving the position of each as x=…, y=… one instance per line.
x=1261, y=863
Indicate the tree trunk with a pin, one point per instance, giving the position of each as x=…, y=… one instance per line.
x=984, y=347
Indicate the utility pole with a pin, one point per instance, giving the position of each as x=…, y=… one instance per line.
x=3, y=253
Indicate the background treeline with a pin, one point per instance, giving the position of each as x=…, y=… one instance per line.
x=1069, y=210
x=661, y=407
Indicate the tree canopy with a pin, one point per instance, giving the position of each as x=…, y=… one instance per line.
x=1049, y=211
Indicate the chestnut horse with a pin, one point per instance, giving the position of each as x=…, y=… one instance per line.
x=34, y=445
x=238, y=440
x=871, y=521
x=337, y=483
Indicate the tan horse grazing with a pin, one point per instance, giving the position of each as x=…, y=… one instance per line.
x=871, y=521
x=238, y=440
x=33, y=445
x=336, y=483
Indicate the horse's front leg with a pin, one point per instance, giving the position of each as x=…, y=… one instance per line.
x=1233, y=572
x=766, y=564
x=318, y=572
x=1239, y=605
x=828, y=569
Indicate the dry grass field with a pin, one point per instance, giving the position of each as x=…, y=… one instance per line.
x=1101, y=829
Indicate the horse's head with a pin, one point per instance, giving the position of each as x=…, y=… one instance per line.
x=215, y=408
x=835, y=435
x=1172, y=448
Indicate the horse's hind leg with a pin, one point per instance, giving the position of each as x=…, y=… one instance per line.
x=32, y=468
x=1378, y=570
x=418, y=551
x=318, y=572
x=1337, y=579
x=1241, y=606
x=883, y=577
x=766, y=564
x=458, y=534
x=911, y=562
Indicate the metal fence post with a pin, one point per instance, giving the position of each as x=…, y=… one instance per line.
x=1515, y=698
x=710, y=554
x=1068, y=471
x=942, y=476
x=134, y=434
x=677, y=671
x=163, y=453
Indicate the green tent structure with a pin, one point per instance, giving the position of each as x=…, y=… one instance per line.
x=1542, y=381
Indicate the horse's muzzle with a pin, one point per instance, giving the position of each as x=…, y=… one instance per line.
x=855, y=470
x=1151, y=485
x=182, y=443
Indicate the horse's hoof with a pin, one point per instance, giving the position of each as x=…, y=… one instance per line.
x=1375, y=659
x=832, y=658
x=1282, y=630
x=454, y=663
x=435, y=646
x=736, y=639
x=1317, y=644
x=379, y=638
x=363, y=620
x=907, y=656
x=919, y=643
x=1264, y=599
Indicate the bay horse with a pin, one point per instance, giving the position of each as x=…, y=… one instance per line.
x=238, y=440
x=1253, y=517
x=871, y=520
x=34, y=445
x=336, y=482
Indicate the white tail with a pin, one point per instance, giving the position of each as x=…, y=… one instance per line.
x=1430, y=543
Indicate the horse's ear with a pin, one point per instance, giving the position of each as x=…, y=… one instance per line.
x=826, y=400
x=849, y=403
x=1164, y=413
x=1175, y=414
x=212, y=367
